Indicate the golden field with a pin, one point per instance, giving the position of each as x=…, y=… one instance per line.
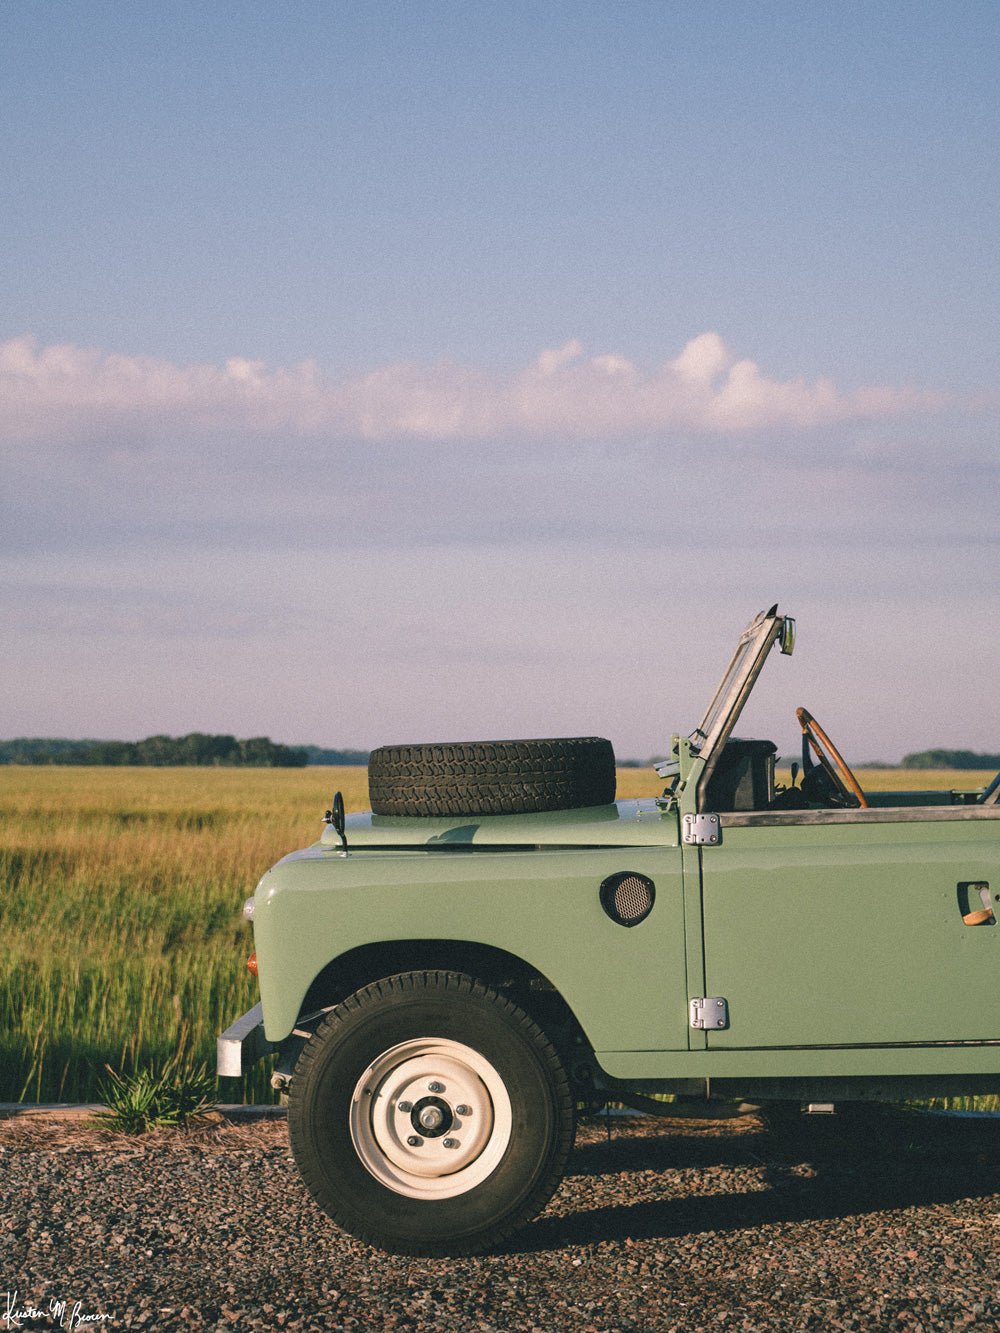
x=120, y=897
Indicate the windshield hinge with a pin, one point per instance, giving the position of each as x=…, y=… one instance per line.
x=702, y=830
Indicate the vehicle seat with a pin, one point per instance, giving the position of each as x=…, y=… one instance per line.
x=743, y=777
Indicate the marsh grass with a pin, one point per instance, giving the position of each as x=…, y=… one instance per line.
x=120, y=898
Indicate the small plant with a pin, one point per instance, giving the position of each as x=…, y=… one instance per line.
x=148, y=1100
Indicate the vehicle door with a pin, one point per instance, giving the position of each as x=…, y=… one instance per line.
x=854, y=927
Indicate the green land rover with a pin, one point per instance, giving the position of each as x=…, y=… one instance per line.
x=448, y=979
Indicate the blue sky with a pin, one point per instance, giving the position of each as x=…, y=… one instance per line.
x=413, y=371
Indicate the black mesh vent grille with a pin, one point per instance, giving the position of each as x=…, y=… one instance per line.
x=628, y=897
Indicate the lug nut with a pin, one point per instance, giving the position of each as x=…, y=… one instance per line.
x=413, y=1141
x=404, y=1107
x=435, y=1087
x=449, y=1143
x=462, y=1110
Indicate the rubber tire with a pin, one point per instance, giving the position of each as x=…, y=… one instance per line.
x=451, y=1007
x=491, y=777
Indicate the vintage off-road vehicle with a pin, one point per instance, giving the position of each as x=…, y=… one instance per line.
x=449, y=978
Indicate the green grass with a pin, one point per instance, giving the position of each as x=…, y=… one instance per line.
x=120, y=897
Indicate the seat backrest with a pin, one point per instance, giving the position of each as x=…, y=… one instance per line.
x=743, y=777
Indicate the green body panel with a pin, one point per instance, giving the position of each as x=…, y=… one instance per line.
x=533, y=898
x=837, y=939
x=852, y=932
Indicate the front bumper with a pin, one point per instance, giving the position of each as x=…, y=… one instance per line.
x=242, y=1044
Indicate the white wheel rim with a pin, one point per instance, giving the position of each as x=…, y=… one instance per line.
x=430, y=1119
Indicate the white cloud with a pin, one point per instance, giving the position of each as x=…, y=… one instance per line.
x=60, y=389
x=703, y=359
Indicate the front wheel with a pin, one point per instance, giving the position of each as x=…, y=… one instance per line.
x=429, y=1115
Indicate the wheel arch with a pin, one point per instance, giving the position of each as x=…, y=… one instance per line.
x=503, y=971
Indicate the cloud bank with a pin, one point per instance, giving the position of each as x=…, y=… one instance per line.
x=63, y=389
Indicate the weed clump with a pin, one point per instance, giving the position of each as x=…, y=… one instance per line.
x=148, y=1099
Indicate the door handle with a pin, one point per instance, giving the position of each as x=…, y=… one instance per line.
x=980, y=916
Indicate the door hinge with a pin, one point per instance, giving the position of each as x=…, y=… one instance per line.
x=702, y=829
x=709, y=1013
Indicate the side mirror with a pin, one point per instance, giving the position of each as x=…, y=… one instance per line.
x=787, y=639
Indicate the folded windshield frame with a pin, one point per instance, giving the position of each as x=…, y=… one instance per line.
x=727, y=703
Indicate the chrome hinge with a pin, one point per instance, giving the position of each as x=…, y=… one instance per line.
x=710, y=1013
x=702, y=829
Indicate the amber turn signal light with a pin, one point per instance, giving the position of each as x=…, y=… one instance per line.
x=252, y=964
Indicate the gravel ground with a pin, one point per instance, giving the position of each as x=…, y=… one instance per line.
x=666, y=1225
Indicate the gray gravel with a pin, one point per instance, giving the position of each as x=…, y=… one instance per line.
x=668, y=1226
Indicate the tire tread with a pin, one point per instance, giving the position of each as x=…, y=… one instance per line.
x=492, y=777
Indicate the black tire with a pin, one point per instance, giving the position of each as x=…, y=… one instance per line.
x=491, y=777
x=364, y=1080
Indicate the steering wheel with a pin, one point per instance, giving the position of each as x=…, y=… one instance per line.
x=829, y=757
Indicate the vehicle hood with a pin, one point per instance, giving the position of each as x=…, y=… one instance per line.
x=622, y=824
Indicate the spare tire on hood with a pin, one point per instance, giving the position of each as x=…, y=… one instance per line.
x=491, y=777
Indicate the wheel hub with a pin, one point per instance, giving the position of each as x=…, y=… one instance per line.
x=430, y=1118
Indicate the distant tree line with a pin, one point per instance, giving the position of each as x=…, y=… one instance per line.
x=337, y=758
x=950, y=759
x=195, y=749
x=40, y=750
